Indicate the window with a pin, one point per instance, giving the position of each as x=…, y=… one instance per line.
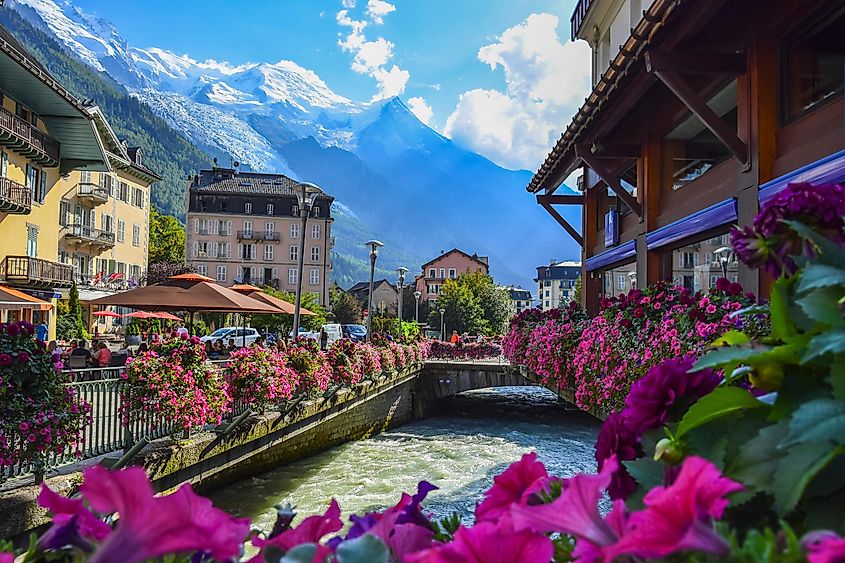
x=224, y=227
x=138, y=197
x=36, y=181
x=689, y=272
x=314, y=276
x=136, y=235
x=315, y=232
x=121, y=230
x=247, y=208
x=292, y=277
x=442, y=273
x=294, y=253
x=432, y=273
x=4, y=164
x=85, y=177
x=106, y=182
x=268, y=252
x=547, y=293
x=31, y=241
x=224, y=249
x=202, y=269
x=123, y=191
x=294, y=210
x=269, y=209
x=294, y=230
x=246, y=251
x=453, y=273
x=270, y=230
x=620, y=282
x=107, y=223
x=221, y=273
x=812, y=67
x=688, y=260
x=315, y=253
x=247, y=229
x=315, y=211
x=65, y=216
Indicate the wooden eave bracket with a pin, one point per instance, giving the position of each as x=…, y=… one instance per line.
x=546, y=201
x=666, y=67
x=612, y=180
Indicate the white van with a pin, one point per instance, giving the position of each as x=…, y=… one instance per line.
x=334, y=331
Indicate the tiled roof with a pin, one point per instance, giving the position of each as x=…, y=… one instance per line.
x=226, y=181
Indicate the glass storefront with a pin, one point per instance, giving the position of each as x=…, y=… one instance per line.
x=698, y=265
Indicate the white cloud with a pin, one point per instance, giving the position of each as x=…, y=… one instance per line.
x=546, y=81
x=421, y=109
x=372, y=57
x=377, y=9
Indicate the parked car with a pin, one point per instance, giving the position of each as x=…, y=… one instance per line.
x=355, y=333
x=241, y=336
x=333, y=330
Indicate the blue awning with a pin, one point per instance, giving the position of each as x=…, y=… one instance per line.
x=621, y=253
x=722, y=213
x=828, y=170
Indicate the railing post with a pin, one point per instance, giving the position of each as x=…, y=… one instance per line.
x=126, y=419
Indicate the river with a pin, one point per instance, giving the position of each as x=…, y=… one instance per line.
x=459, y=451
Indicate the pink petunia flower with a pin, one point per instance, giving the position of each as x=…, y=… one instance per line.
x=514, y=485
x=824, y=546
x=489, y=542
x=72, y=522
x=679, y=517
x=311, y=530
x=150, y=527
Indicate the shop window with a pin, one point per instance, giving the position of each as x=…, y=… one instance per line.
x=693, y=148
x=813, y=67
x=619, y=280
x=698, y=265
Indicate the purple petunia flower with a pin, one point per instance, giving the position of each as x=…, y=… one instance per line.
x=23, y=357
x=13, y=329
x=5, y=360
x=651, y=399
x=617, y=438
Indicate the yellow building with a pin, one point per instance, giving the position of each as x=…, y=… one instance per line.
x=104, y=222
x=45, y=134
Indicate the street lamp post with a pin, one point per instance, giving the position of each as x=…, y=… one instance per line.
x=417, y=295
x=402, y=270
x=724, y=257
x=305, y=198
x=442, y=325
x=374, y=246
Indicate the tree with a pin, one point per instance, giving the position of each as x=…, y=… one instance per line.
x=284, y=323
x=69, y=325
x=463, y=311
x=577, y=297
x=167, y=239
x=159, y=271
x=409, y=305
x=346, y=309
x=495, y=301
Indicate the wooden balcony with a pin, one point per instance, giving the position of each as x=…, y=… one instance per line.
x=25, y=271
x=259, y=236
x=14, y=198
x=85, y=234
x=25, y=139
x=94, y=193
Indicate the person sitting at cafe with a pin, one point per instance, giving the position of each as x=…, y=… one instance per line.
x=81, y=350
x=101, y=357
x=143, y=347
x=69, y=350
x=231, y=347
x=217, y=351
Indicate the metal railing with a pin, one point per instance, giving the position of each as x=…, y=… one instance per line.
x=578, y=15
x=28, y=271
x=89, y=234
x=26, y=139
x=92, y=191
x=14, y=197
x=259, y=235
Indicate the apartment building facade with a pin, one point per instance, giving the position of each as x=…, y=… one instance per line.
x=385, y=297
x=520, y=299
x=556, y=283
x=449, y=265
x=244, y=227
x=45, y=134
x=699, y=114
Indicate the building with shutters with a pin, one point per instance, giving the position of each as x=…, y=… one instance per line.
x=244, y=227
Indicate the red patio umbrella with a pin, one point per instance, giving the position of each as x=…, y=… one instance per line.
x=107, y=314
x=166, y=316
x=141, y=315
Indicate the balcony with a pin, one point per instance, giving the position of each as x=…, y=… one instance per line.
x=15, y=198
x=85, y=234
x=94, y=193
x=578, y=17
x=259, y=236
x=27, y=140
x=35, y=272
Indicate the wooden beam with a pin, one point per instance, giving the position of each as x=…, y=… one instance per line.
x=695, y=63
x=616, y=151
x=560, y=219
x=612, y=180
x=703, y=112
x=569, y=199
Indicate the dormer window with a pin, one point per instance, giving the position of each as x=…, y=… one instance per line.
x=315, y=211
x=247, y=208
x=294, y=210
x=269, y=209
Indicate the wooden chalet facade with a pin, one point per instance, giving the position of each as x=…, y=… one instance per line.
x=708, y=109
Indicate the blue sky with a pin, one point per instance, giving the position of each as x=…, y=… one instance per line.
x=432, y=46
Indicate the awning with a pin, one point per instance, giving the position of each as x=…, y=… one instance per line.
x=828, y=170
x=92, y=294
x=14, y=299
x=623, y=252
x=722, y=213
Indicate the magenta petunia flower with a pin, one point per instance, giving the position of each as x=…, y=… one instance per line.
x=5, y=360
x=513, y=485
x=679, y=517
x=23, y=357
x=489, y=542
x=617, y=438
x=150, y=527
x=824, y=546
x=665, y=386
x=71, y=521
x=311, y=530
x=12, y=329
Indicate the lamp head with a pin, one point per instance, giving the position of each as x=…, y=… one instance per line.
x=723, y=250
x=307, y=193
x=374, y=246
x=417, y=294
x=442, y=311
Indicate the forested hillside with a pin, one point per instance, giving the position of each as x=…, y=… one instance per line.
x=165, y=151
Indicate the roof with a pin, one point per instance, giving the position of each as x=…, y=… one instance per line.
x=560, y=271
x=561, y=161
x=25, y=79
x=475, y=257
x=361, y=286
x=11, y=298
x=232, y=181
x=518, y=294
x=120, y=155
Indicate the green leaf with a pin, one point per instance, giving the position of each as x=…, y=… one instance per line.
x=300, y=554
x=795, y=471
x=731, y=338
x=822, y=306
x=782, y=324
x=821, y=420
x=820, y=275
x=832, y=342
x=721, y=402
x=365, y=549
x=647, y=472
x=729, y=356
x=829, y=251
x=758, y=459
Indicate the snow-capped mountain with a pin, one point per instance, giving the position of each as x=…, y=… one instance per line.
x=395, y=175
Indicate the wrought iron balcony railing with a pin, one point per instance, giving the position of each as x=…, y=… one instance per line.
x=93, y=192
x=22, y=137
x=88, y=234
x=259, y=235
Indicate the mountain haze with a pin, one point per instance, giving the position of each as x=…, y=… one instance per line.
x=394, y=178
